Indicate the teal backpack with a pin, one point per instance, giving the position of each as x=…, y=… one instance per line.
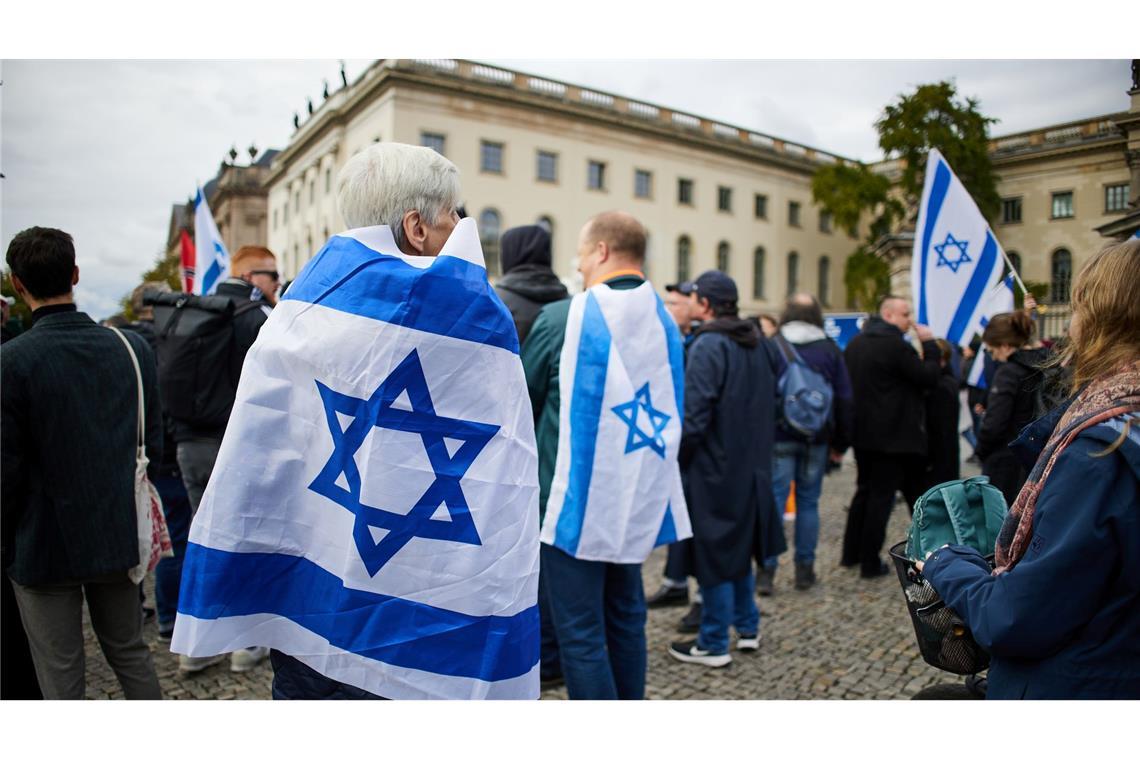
x=969, y=512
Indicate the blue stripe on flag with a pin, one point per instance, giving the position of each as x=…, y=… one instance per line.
x=210, y=279
x=585, y=416
x=933, y=209
x=668, y=533
x=979, y=281
x=388, y=629
x=676, y=354
x=451, y=297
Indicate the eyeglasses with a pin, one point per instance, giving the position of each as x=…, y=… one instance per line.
x=270, y=273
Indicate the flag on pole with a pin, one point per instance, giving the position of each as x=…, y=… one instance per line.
x=956, y=258
x=187, y=263
x=212, y=261
x=373, y=511
x=999, y=300
x=616, y=491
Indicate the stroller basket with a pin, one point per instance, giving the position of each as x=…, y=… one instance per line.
x=943, y=639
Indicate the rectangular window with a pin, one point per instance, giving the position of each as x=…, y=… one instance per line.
x=1010, y=210
x=685, y=192
x=642, y=183
x=312, y=192
x=1115, y=198
x=328, y=181
x=825, y=222
x=596, y=175
x=434, y=141
x=793, y=214
x=297, y=201
x=285, y=212
x=274, y=218
x=724, y=198
x=760, y=206
x=1063, y=205
x=547, y=167
x=491, y=157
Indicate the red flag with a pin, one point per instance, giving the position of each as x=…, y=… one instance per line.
x=187, y=263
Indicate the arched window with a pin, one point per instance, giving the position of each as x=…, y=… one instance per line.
x=825, y=281
x=1062, y=276
x=489, y=226
x=684, y=252
x=793, y=272
x=722, y=256
x=1015, y=260
x=758, y=266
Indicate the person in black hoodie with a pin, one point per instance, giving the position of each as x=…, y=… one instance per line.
x=1012, y=399
x=943, y=410
x=528, y=283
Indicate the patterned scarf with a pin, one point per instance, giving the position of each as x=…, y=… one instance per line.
x=1100, y=400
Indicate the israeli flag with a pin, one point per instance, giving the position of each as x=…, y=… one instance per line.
x=374, y=507
x=956, y=259
x=616, y=491
x=998, y=301
x=212, y=261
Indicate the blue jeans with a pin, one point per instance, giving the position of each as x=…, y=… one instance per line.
x=550, y=663
x=598, y=609
x=728, y=603
x=168, y=572
x=805, y=463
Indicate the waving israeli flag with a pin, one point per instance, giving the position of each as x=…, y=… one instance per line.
x=374, y=507
x=212, y=260
x=956, y=259
x=616, y=491
x=999, y=300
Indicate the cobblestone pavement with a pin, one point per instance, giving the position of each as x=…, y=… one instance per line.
x=846, y=638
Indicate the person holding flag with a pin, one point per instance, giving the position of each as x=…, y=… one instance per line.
x=605, y=371
x=372, y=516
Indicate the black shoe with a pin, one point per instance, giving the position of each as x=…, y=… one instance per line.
x=805, y=576
x=691, y=623
x=165, y=634
x=884, y=569
x=764, y=582
x=688, y=651
x=668, y=596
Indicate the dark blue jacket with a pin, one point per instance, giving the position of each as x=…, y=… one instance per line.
x=824, y=356
x=1064, y=623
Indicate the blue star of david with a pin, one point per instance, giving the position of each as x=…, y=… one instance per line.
x=637, y=438
x=377, y=411
x=950, y=242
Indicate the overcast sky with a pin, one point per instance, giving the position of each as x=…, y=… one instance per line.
x=102, y=149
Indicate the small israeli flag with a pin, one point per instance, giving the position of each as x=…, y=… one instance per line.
x=212, y=260
x=998, y=301
x=956, y=258
x=374, y=507
x=616, y=491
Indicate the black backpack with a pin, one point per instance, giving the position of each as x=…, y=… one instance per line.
x=198, y=366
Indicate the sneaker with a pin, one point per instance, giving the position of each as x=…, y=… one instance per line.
x=196, y=664
x=805, y=576
x=688, y=651
x=764, y=582
x=691, y=623
x=748, y=643
x=165, y=633
x=668, y=596
x=247, y=659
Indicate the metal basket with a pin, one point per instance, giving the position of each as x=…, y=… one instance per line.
x=943, y=639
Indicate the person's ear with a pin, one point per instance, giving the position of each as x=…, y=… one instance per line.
x=75, y=277
x=603, y=250
x=415, y=232
x=18, y=286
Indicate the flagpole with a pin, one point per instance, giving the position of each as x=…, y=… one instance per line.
x=1016, y=276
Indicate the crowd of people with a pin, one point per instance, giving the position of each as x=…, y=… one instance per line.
x=770, y=404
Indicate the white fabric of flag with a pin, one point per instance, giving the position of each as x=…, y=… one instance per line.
x=999, y=300
x=211, y=259
x=374, y=507
x=956, y=257
x=616, y=491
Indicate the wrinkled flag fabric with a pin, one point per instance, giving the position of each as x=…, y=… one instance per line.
x=374, y=507
x=998, y=301
x=211, y=259
x=956, y=257
x=616, y=491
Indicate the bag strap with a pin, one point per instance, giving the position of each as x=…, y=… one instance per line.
x=789, y=352
x=957, y=506
x=139, y=387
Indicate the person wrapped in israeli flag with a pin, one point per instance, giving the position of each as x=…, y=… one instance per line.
x=956, y=260
x=373, y=511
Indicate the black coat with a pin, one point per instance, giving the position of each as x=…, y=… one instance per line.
x=943, y=408
x=1010, y=400
x=525, y=290
x=890, y=382
x=726, y=449
x=69, y=432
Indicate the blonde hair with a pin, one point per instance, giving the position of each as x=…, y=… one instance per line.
x=1106, y=303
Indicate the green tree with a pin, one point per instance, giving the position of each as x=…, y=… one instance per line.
x=933, y=116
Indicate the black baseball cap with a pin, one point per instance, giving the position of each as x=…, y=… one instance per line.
x=716, y=286
x=684, y=288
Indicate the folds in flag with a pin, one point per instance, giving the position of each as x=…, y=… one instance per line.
x=999, y=300
x=374, y=507
x=211, y=260
x=956, y=258
x=616, y=491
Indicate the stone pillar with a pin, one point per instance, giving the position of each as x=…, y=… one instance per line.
x=897, y=250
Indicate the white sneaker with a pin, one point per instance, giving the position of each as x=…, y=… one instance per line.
x=748, y=643
x=196, y=664
x=688, y=651
x=247, y=659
